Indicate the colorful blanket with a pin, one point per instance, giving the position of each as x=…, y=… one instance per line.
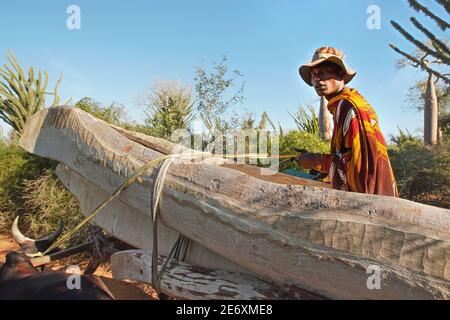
x=359, y=161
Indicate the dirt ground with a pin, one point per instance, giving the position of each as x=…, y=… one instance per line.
x=122, y=290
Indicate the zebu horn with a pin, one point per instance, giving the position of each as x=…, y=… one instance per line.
x=44, y=243
x=17, y=235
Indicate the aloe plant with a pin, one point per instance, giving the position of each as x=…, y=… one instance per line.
x=22, y=95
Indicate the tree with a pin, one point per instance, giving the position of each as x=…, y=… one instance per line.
x=416, y=99
x=417, y=93
x=438, y=50
x=431, y=98
x=22, y=95
x=113, y=114
x=168, y=106
x=324, y=120
x=430, y=113
x=213, y=95
x=429, y=53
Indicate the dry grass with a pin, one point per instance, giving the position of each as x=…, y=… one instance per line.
x=30, y=188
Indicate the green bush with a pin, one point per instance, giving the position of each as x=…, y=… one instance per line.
x=16, y=166
x=112, y=114
x=303, y=140
x=422, y=172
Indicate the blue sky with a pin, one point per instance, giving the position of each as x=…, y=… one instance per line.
x=124, y=46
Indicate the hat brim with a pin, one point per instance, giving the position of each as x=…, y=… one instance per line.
x=305, y=70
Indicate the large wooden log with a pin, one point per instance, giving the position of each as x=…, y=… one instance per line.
x=295, y=235
x=134, y=226
x=126, y=223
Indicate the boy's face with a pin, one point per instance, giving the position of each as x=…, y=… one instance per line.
x=326, y=79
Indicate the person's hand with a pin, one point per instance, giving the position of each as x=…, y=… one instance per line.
x=309, y=160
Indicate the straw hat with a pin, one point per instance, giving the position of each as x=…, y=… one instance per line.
x=326, y=54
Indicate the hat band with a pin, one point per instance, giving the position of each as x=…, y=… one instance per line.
x=324, y=55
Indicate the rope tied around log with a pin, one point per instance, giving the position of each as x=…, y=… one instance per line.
x=155, y=209
x=138, y=173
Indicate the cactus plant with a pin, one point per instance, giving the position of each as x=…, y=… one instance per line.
x=22, y=96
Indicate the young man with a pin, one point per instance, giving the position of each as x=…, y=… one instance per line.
x=359, y=160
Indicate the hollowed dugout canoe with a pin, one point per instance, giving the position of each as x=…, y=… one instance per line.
x=291, y=232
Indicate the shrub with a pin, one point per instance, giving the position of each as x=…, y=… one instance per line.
x=303, y=140
x=16, y=166
x=112, y=114
x=47, y=201
x=28, y=185
x=422, y=172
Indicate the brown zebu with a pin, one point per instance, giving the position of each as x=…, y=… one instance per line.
x=19, y=279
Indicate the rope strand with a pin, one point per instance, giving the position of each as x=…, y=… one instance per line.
x=140, y=171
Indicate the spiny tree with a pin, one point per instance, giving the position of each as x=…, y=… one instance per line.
x=168, y=106
x=306, y=122
x=431, y=104
x=430, y=99
x=435, y=48
x=430, y=55
x=248, y=121
x=248, y=125
x=264, y=120
x=23, y=95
